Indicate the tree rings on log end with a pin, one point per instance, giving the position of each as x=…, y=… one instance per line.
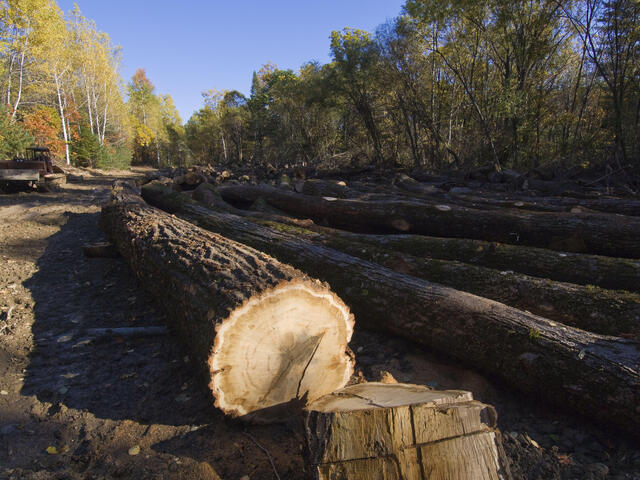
x=280, y=350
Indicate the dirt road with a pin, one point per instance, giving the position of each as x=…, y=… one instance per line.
x=76, y=405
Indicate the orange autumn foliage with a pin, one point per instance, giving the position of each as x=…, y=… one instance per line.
x=44, y=124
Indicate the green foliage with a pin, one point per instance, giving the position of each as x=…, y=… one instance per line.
x=534, y=334
x=85, y=149
x=14, y=138
x=47, y=62
x=447, y=84
x=114, y=157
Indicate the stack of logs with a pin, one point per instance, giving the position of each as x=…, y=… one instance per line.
x=542, y=292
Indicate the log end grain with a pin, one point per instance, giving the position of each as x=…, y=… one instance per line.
x=282, y=348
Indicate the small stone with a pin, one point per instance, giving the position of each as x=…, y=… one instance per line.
x=4, y=392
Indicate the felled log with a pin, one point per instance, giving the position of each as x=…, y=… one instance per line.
x=327, y=188
x=571, y=368
x=590, y=308
x=606, y=272
x=586, y=307
x=408, y=432
x=265, y=334
x=486, y=199
x=602, y=234
x=208, y=195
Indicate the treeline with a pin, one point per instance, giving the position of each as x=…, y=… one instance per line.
x=61, y=87
x=447, y=84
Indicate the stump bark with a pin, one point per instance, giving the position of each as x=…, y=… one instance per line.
x=266, y=335
x=401, y=432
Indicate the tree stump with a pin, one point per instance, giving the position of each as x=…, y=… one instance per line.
x=402, y=432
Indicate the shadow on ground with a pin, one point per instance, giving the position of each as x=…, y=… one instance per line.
x=145, y=379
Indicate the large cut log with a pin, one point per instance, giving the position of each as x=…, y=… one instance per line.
x=265, y=334
x=408, y=432
x=569, y=367
x=602, y=234
x=590, y=308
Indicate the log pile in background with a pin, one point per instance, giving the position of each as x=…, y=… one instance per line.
x=569, y=367
x=267, y=336
x=580, y=232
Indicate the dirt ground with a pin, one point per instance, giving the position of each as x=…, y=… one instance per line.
x=74, y=405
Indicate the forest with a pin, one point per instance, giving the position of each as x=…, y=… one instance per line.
x=445, y=85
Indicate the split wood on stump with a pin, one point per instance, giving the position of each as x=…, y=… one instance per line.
x=571, y=368
x=268, y=336
x=611, y=235
x=402, y=432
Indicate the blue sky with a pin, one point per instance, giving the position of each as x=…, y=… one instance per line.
x=194, y=45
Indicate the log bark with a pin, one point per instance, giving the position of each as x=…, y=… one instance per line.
x=590, y=308
x=581, y=269
x=587, y=307
x=407, y=431
x=602, y=234
x=571, y=368
x=265, y=334
x=605, y=272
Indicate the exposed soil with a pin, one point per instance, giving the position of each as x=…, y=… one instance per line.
x=134, y=407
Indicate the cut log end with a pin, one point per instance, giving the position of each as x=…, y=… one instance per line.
x=287, y=344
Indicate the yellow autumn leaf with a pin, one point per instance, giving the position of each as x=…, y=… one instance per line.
x=135, y=450
x=51, y=450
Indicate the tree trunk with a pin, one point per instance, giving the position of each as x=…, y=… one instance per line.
x=571, y=368
x=587, y=307
x=590, y=308
x=578, y=232
x=402, y=432
x=65, y=133
x=268, y=337
x=605, y=272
